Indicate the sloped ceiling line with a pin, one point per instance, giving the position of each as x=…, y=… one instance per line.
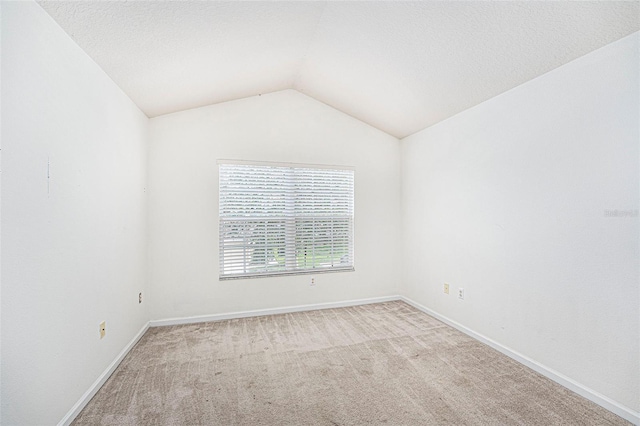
x=307, y=51
x=397, y=66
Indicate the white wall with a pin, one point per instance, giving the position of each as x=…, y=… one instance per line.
x=285, y=126
x=73, y=250
x=508, y=200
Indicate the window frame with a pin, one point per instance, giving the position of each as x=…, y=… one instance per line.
x=290, y=246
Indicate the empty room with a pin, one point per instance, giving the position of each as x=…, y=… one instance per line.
x=320, y=213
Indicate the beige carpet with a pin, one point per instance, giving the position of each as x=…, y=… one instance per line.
x=385, y=363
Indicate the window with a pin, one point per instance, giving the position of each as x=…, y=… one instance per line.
x=280, y=219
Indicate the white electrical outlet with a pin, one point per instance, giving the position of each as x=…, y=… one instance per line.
x=103, y=329
x=313, y=281
x=446, y=288
x=139, y=297
x=461, y=293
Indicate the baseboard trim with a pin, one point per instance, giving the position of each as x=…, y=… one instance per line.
x=95, y=387
x=603, y=401
x=272, y=311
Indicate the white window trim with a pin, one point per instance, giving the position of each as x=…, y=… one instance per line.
x=314, y=270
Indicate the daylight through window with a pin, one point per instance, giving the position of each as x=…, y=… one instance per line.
x=284, y=219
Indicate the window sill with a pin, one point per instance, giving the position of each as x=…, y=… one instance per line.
x=286, y=274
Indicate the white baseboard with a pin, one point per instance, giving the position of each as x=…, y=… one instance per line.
x=95, y=387
x=272, y=311
x=590, y=394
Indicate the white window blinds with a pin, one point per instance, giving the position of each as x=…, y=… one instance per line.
x=284, y=219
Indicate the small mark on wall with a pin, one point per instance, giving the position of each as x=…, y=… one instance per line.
x=48, y=175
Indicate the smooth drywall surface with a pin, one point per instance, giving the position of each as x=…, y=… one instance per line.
x=285, y=126
x=529, y=202
x=73, y=218
x=0, y=222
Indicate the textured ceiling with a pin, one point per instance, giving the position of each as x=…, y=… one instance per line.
x=398, y=66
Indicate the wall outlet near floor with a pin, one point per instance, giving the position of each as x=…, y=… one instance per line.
x=312, y=282
x=461, y=293
x=139, y=297
x=445, y=288
x=103, y=329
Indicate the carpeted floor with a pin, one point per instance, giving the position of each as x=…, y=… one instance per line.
x=385, y=363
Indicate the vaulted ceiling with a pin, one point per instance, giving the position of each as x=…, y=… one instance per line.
x=398, y=66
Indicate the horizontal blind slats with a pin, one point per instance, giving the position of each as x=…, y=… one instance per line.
x=284, y=219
